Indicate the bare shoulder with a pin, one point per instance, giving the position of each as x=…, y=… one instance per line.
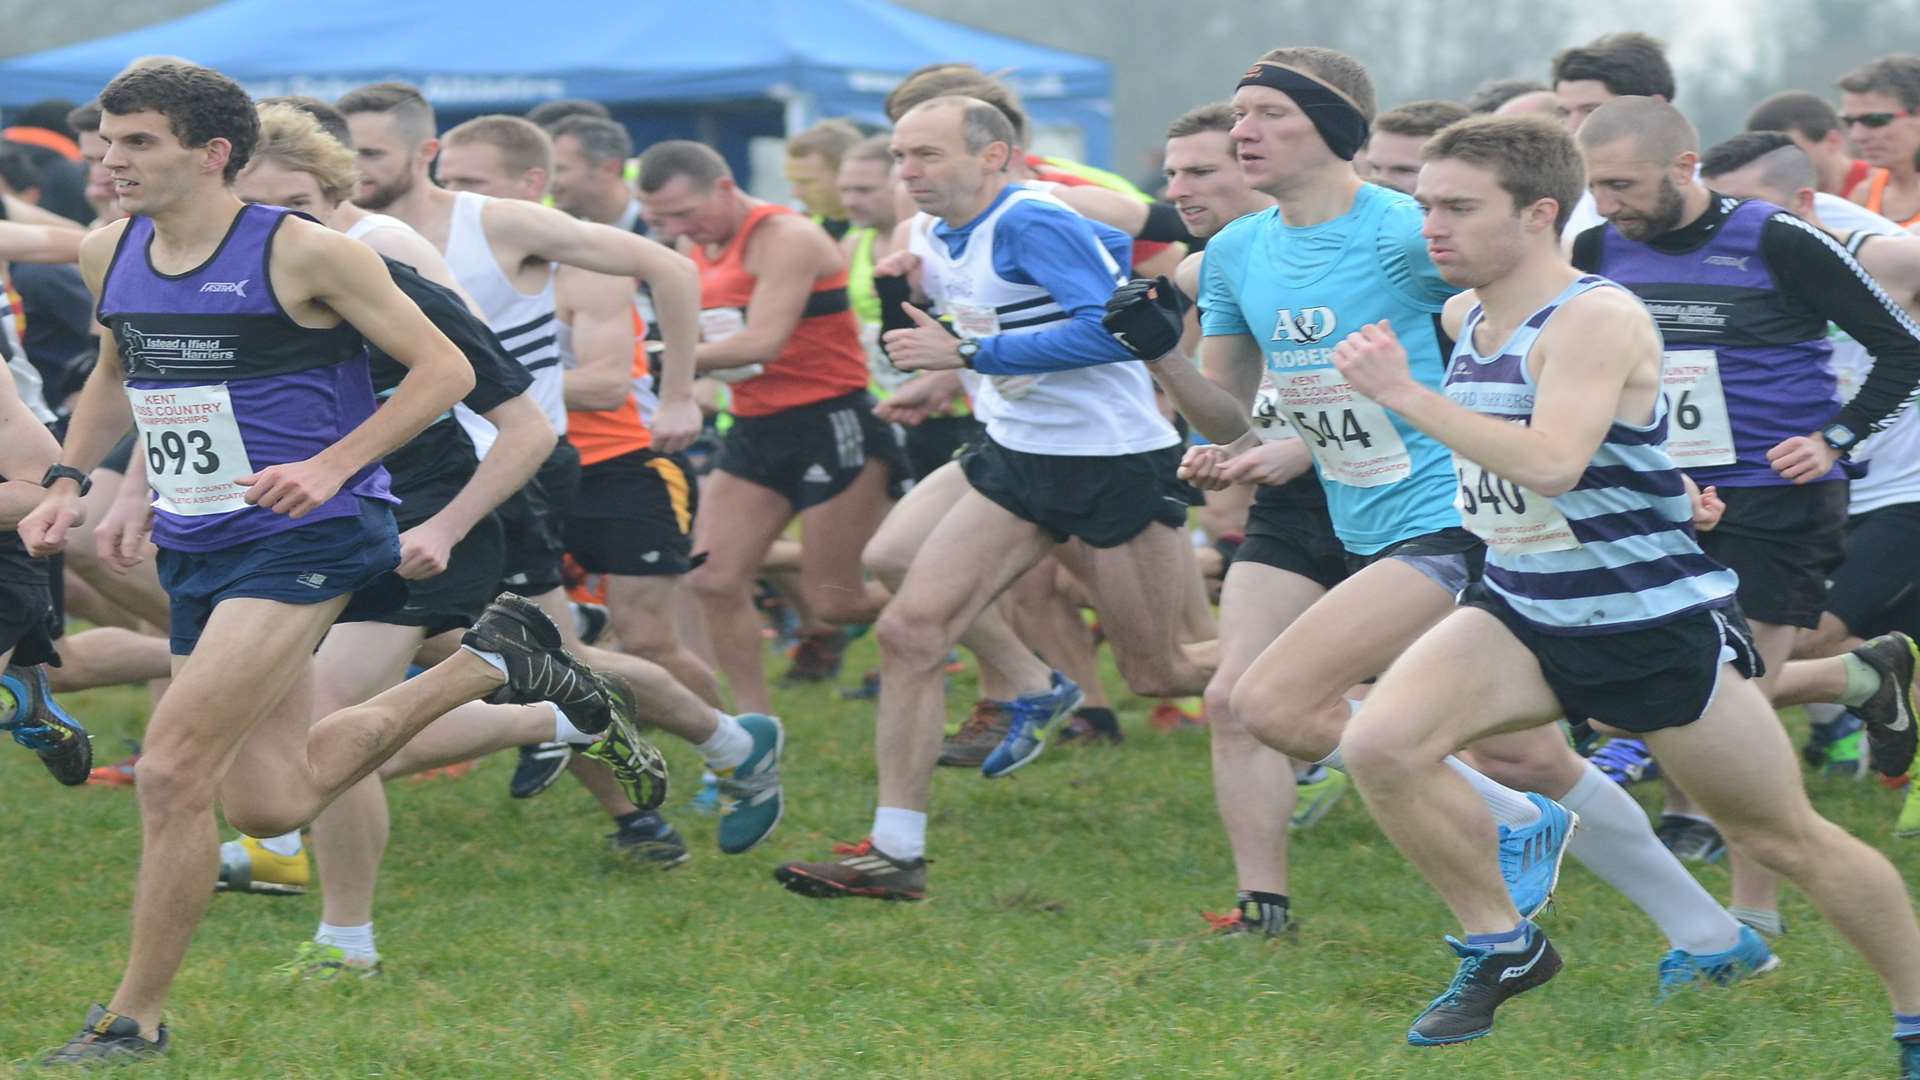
x=794, y=240
x=1608, y=321
x=1454, y=314
x=1186, y=276
x=96, y=250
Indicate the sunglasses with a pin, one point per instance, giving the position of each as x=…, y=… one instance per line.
x=1874, y=119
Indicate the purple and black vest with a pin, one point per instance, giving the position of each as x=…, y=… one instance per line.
x=1775, y=363
x=294, y=390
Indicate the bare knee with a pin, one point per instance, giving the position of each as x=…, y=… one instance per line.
x=838, y=604
x=885, y=560
x=907, y=638
x=169, y=784
x=1380, y=752
x=1787, y=848
x=713, y=583
x=1533, y=767
x=1276, y=718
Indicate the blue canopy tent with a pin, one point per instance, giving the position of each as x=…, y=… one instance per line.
x=723, y=71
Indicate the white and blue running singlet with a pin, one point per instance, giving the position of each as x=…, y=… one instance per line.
x=1614, y=553
x=1298, y=292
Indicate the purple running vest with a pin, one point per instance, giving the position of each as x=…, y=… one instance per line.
x=1775, y=362
x=294, y=390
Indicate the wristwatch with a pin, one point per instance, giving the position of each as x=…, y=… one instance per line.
x=968, y=349
x=68, y=472
x=1839, y=436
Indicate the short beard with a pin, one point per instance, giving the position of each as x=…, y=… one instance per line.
x=382, y=197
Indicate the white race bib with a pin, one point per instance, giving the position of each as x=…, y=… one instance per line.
x=193, y=448
x=974, y=320
x=1699, y=432
x=1351, y=437
x=1510, y=518
x=721, y=323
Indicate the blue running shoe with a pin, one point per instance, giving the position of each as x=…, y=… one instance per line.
x=1626, y=761
x=1031, y=720
x=42, y=726
x=1909, y=1058
x=750, y=797
x=1530, y=856
x=1749, y=956
x=707, y=799
x=1484, y=980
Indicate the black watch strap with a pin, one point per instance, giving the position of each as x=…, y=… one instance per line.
x=67, y=472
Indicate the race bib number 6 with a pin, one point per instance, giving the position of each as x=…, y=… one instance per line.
x=1698, y=430
x=1510, y=518
x=1351, y=438
x=193, y=449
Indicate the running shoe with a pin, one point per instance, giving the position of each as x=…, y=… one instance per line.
x=1482, y=982
x=1249, y=916
x=1836, y=746
x=1750, y=955
x=42, y=726
x=1909, y=1058
x=1908, y=825
x=1032, y=718
x=121, y=773
x=860, y=870
x=108, y=1039
x=636, y=763
x=540, y=765
x=1626, y=762
x=1316, y=797
x=1169, y=715
x=538, y=667
x=978, y=735
x=707, y=799
x=1090, y=725
x=590, y=621
x=247, y=866
x=1889, y=712
x=649, y=841
x=868, y=690
x=1691, y=839
x=750, y=797
x=1530, y=855
x=816, y=657
x=316, y=962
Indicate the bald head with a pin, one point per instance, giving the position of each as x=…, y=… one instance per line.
x=1660, y=131
x=981, y=124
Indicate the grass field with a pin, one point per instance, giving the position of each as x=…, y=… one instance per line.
x=1061, y=940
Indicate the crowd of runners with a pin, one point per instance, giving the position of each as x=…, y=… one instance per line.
x=1483, y=457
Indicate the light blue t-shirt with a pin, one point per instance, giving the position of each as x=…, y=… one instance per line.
x=1299, y=292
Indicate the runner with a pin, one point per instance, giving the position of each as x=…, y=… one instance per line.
x=1553, y=406
x=1074, y=447
x=1744, y=293
x=804, y=441
x=1588, y=76
x=1815, y=127
x=813, y=172
x=505, y=253
x=1880, y=106
x=270, y=518
x=1393, y=147
x=1336, y=252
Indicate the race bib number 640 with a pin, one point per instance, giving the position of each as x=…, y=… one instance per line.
x=1508, y=517
x=193, y=449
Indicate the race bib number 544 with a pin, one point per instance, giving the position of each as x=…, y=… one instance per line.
x=193, y=449
x=1352, y=438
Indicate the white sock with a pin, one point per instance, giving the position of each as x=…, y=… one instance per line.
x=564, y=731
x=901, y=835
x=728, y=746
x=1510, y=808
x=1616, y=842
x=287, y=845
x=355, y=941
x=493, y=658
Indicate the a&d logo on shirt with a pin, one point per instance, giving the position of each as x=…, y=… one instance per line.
x=1305, y=326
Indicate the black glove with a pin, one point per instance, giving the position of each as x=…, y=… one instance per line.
x=1147, y=317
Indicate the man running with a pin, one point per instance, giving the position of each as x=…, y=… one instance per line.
x=236, y=345
x=1880, y=112
x=1393, y=147
x=1596, y=603
x=804, y=441
x=1075, y=447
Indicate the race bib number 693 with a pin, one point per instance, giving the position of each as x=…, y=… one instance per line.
x=193, y=449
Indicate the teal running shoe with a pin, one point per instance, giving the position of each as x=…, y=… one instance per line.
x=1530, y=856
x=1749, y=956
x=750, y=797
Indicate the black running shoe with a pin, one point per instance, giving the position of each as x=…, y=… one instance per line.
x=1482, y=982
x=590, y=622
x=540, y=765
x=1691, y=839
x=41, y=725
x=108, y=1039
x=538, y=667
x=860, y=870
x=1889, y=712
x=636, y=763
x=649, y=841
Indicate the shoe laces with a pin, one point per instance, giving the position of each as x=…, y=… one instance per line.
x=736, y=789
x=846, y=850
x=1224, y=922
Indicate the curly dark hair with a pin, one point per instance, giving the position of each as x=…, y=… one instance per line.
x=200, y=105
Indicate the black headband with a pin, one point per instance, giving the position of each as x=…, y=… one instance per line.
x=1339, y=122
